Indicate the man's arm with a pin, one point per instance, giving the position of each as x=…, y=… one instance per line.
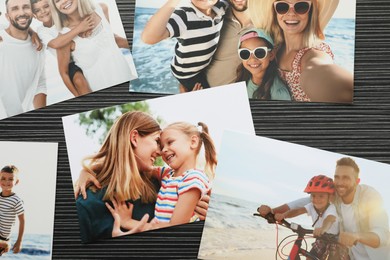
x=18, y=244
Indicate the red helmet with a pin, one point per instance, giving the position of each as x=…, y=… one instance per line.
x=320, y=183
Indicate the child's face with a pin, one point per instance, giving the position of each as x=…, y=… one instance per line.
x=7, y=181
x=204, y=4
x=176, y=147
x=254, y=65
x=41, y=11
x=320, y=200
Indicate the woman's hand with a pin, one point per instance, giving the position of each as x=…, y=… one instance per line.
x=84, y=179
x=264, y=210
x=279, y=217
x=202, y=207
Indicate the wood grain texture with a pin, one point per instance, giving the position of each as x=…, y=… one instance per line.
x=361, y=129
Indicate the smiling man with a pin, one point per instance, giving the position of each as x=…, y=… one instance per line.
x=364, y=222
x=22, y=81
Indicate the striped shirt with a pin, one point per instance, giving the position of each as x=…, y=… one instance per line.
x=197, y=38
x=10, y=207
x=172, y=187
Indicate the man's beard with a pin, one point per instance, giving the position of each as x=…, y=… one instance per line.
x=19, y=27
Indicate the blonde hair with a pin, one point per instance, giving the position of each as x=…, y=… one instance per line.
x=263, y=16
x=204, y=138
x=85, y=7
x=118, y=170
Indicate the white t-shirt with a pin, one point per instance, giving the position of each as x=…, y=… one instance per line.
x=359, y=251
x=47, y=34
x=330, y=211
x=22, y=75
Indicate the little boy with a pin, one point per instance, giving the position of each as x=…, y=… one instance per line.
x=10, y=207
x=324, y=216
x=197, y=30
x=55, y=41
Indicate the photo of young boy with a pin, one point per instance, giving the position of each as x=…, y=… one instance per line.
x=342, y=200
x=26, y=227
x=79, y=49
x=157, y=157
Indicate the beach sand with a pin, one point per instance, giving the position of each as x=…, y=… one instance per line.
x=238, y=243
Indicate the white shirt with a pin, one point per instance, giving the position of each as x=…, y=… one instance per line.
x=46, y=34
x=21, y=75
x=359, y=251
x=330, y=211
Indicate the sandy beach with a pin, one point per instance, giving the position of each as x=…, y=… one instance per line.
x=238, y=243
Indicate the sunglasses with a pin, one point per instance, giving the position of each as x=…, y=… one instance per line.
x=260, y=53
x=302, y=7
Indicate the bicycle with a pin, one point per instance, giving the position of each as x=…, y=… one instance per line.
x=300, y=232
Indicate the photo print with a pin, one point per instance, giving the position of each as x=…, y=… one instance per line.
x=199, y=46
x=150, y=161
x=345, y=197
x=28, y=173
x=83, y=49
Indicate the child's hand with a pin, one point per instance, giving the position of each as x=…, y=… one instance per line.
x=264, y=210
x=36, y=41
x=4, y=247
x=86, y=26
x=139, y=227
x=84, y=179
x=279, y=217
x=17, y=247
x=123, y=211
x=198, y=86
x=317, y=232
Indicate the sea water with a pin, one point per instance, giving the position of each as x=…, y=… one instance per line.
x=153, y=61
x=34, y=247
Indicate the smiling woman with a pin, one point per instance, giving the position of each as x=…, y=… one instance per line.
x=305, y=61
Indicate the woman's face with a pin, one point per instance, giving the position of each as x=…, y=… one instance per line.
x=147, y=150
x=254, y=65
x=292, y=22
x=66, y=6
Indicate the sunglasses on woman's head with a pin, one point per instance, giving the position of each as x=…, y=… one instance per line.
x=282, y=7
x=259, y=53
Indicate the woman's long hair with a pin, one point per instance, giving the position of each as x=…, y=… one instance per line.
x=118, y=170
x=204, y=139
x=263, y=90
x=263, y=16
x=85, y=7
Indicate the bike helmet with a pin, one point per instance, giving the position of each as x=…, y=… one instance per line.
x=320, y=183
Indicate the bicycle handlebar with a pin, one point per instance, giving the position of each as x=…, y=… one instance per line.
x=293, y=226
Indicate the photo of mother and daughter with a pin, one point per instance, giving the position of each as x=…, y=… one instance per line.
x=277, y=47
x=140, y=196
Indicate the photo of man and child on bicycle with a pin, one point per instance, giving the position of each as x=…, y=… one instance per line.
x=286, y=201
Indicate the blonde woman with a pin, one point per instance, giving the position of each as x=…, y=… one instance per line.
x=305, y=61
x=97, y=53
x=121, y=171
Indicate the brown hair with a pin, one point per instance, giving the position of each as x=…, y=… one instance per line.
x=118, y=170
x=348, y=161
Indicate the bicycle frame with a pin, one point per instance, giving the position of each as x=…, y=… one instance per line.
x=297, y=249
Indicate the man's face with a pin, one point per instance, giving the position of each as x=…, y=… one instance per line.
x=19, y=14
x=239, y=5
x=345, y=181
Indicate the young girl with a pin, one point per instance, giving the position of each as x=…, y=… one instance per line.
x=182, y=185
x=324, y=216
x=197, y=29
x=259, y=67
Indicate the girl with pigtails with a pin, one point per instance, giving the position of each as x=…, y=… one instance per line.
x=182, y=184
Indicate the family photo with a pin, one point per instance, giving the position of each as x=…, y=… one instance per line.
x=149, y=164
x=292, y=201
x=51, y=51
x=299, y=50
x=27, y=199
